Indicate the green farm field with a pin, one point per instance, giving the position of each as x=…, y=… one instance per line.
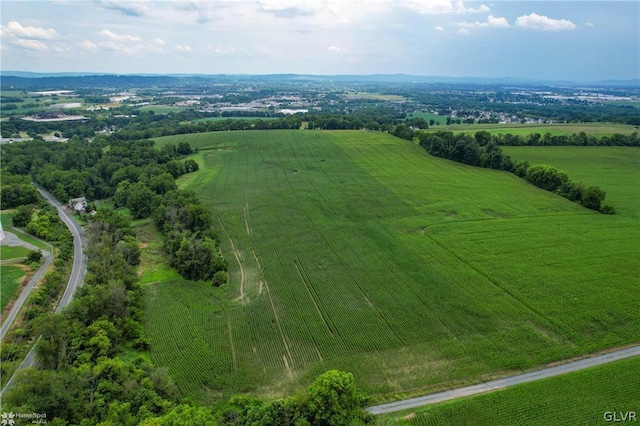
x=204, y=120
x=7, y=252
x=161, y=109
x=615, y=169
x=597, y=129
x=10, y=279
x=358, y=251
x=578, y=398
x=442, y=119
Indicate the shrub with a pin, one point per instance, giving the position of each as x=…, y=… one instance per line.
x=607, y=209
x=219, y=278
x=592, y=197
x=546, y=177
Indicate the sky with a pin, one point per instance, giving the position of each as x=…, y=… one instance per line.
x=538, y=40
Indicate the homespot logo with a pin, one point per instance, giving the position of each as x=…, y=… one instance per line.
x=9, y=419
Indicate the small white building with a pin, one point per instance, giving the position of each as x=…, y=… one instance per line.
x=78, y=204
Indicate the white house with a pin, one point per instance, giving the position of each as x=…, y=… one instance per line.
x=78, y=204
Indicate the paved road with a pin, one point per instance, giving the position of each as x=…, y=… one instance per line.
x=12, y=240
x=77, y=272
x=79, y=260
x=505, y=382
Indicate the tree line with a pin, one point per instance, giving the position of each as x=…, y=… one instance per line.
x=136, y=176
x=482, y=151
x=575, y=139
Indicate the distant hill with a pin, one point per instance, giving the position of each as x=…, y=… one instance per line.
x=91, y=80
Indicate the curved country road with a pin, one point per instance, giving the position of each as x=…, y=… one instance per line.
x=79, y=260
x=77, y=272
x=12, y=240
x=506, y=381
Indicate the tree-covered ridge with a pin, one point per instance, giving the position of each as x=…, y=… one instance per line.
x=481, y=150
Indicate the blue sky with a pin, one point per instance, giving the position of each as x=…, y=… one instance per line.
x=564, y=40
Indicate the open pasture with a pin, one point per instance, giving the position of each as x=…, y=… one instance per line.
x=7, y=253
x=206, y=119
x=359, y=251
x=10, y=280
x=163, y=109
x=597, y=129
x=615, y=169
x=442, y=119
x=582, y=397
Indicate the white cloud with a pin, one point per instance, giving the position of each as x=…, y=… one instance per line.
x=222, y=50
x=491, y=21
x=336, y=12
x=588, y=24
x=183, y=48
x=439, y=28
x=13, y=28
x=159, y=41
x=119, y=37
x=337, y=49
x=60, y=48
x=290, y=8
x=128, y=8
x=30, y=44
x=464, y=31
x=439, y=6
x=110, y=45
x=497, y=22
x=460, y=8
x=88, y=45
x=544, y=23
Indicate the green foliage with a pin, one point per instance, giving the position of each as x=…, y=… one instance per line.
x=190, y=166
x=198, y=258
x=219, y=278
x=184, y=148
x=141, y=200
x=184, y=415
x=12, y=196
x=89, y=375
x=592, y=197
x=335, y=400
x=22, y=216
x=571, y=190
x=404, y=132
x=161, y=184
x=130, y=249
x=40, y=226
x=607, y=209
x=332, y=399
x=478, y=151
x=190, y=239
x=546, y=177
x=34, y=256
x=176, y=168
x=11, y=277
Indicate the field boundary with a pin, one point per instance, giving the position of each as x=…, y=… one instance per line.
x=506, y=382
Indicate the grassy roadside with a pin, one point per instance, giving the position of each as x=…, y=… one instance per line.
x=582, y=397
